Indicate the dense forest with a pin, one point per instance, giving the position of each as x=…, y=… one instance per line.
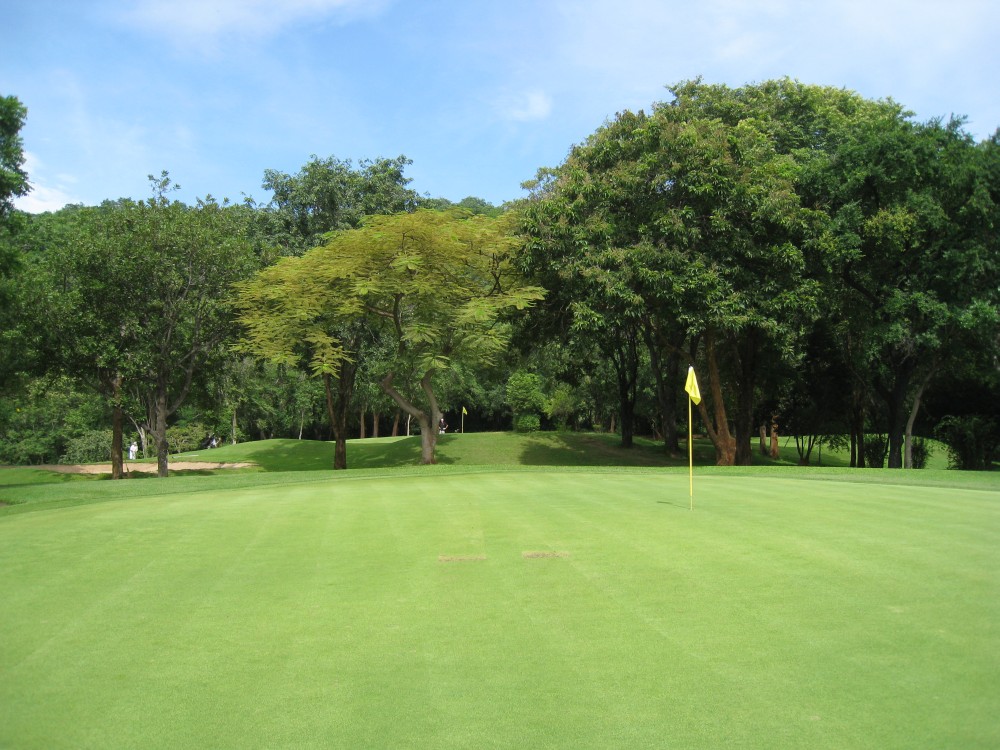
x=827, y=264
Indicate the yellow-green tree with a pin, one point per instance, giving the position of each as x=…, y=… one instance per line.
x=437, y=284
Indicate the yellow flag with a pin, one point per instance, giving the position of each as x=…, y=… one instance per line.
x=464, y=411
x=691, y=386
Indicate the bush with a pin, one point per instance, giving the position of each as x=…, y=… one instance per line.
x=90, y=447
x=526, y=400
x=562, y=405
x=524, y=393
x=527, y=423
x=186, y=437
x=972, y=441
x=876, y=448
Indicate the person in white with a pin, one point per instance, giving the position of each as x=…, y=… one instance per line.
x=133, y=451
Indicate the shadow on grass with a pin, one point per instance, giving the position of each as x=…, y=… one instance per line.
x=597, y=449
x=381, y=453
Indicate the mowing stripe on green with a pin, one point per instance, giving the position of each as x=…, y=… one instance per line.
x=779, y=613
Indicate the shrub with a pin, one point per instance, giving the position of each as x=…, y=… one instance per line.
x=186, y=437
x=972, y=441
x=88, y=447
x=876, y=448
x=562, y=405
x=524, y=393
x=527, y=423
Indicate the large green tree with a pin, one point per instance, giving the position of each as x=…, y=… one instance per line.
x=913, y=214
x=13, y=178
x=133, y=296
x=330, y=194
x=436, y=284
x=685, y=225
x=13, y=184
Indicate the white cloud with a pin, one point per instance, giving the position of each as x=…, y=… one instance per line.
x=527, y=106
x=44, y=197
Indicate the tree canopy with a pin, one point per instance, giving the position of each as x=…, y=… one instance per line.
x=435, y=283
x=825, y=261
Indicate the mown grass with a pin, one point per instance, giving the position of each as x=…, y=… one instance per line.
x=479, y=449
x=460, y=606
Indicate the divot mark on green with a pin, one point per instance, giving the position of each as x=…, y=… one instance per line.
x=542, y=554
x=461, y=558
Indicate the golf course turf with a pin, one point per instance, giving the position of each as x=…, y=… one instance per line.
x=504, y=607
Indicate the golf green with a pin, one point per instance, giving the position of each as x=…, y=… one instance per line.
x=557, y=609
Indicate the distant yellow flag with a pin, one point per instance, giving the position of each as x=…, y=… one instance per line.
x=691, y=386
x=464, y=411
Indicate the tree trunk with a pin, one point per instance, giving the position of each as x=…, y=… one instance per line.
x=666, y=369
x=745, y=352
x=896, y=404
x=668, y=406
x=624, y=357
x=428, y=422
x=717, y=426
x=338, y=423
x=140, y=428
x=375, y=417
x=775, y=452
x=762, y=446
x=908, y=437
x=627, y=399
x=857, y=433
x=361, y=420
x=160, y=430
x=395, y=424
x=117, y=460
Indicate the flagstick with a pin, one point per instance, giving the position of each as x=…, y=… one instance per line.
x=690, y=455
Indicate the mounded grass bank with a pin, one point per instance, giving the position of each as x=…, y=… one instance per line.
x=448, y=607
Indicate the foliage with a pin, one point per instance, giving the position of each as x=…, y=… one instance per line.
x=561, y=405
x=973, y=441
x=92, y=446
x=52, y=421
x=876, y=448
x=724, y=224
x=13, y=179
x=187, y=436
x=434, y=284
x=524, y=393
x=331, y=194
x=527, y=423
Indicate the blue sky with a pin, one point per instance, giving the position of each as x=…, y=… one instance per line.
x=478, y=94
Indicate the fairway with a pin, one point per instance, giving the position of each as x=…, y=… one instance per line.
x=565, y=608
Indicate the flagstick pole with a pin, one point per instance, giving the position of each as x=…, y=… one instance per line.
x=690, y=455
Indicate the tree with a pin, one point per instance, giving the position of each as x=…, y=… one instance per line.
x=134, y=296
x=913, y=210
x=13, y=183
x=681, y=230
x=332, y=194
x=435, y=283
x=13, y=178
x=526, y=400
